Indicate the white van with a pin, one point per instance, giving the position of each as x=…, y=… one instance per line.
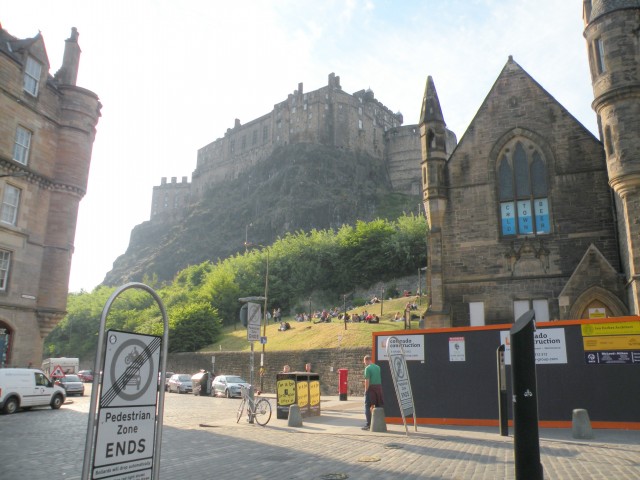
x=26, y=388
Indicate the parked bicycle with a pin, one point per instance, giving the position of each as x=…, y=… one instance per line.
x=258, y=410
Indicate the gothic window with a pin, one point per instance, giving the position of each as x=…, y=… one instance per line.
x=32, y=72
x=523, y=191
x=265, y=133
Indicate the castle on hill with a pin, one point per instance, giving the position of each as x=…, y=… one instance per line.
x=328, y=116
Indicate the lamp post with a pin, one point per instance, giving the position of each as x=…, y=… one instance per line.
x=422, y=269
x=264, y=316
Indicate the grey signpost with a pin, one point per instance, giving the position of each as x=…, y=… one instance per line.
x=401, y=381
x=124, y=429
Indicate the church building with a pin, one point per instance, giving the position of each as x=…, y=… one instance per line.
x=529, y=210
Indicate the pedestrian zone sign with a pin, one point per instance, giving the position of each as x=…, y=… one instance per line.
x=57, y=372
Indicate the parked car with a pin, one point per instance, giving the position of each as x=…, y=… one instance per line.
x=167, y=377
x=180, y=382
x=72, y=384
x=26, y=388
x=228, y=385
x=86, y=375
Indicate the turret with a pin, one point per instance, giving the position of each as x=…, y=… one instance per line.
x=433, y=138
x=612, y=33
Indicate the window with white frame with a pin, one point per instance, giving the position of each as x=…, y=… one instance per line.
x=476, y=314
x=523, y=190
x=10, y=203
x=32, y=72
x=5, y=262
x=539, y=306
x=22, y=145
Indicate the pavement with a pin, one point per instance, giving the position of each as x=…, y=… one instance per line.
x=202, y=440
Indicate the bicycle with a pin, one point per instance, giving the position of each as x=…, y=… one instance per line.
x=259, y=410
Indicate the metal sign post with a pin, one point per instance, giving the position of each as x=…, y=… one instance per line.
x=124, y=433
x=401, y=381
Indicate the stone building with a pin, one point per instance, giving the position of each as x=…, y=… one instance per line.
x=530, y=210
x=328, y=116
x=47, y=129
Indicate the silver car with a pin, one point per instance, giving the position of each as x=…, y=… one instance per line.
x=180, y=382
x=228, y=385
x=72, y=384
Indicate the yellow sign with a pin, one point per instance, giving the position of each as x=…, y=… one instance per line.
x=303, y=394
x=286, y=392
x=597, y=313
x=618, y=342
x=314, y=393
x=614, y=328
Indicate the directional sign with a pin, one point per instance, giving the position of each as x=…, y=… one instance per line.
x=124, y=445
x=57, y=372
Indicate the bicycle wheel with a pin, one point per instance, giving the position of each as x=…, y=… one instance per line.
x=263, y=412
x=240, y=410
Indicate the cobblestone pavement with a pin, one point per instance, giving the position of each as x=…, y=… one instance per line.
x=201, y=439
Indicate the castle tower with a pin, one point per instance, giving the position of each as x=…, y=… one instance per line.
x=433, y=139
x=612, y=31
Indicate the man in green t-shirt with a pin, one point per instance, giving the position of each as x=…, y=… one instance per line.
x=372, y=389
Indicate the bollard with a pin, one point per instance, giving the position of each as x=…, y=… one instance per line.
x=526, y=439
x=580, y=424
x=343, y=383
x=378, y=423
x=295, y=417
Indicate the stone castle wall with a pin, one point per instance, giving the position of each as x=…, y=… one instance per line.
x=327, y=116
x=324, y=362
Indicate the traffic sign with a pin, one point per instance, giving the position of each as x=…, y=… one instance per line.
x=57, y=372
x=263, y=340
x=253, y=327
x=127, y=409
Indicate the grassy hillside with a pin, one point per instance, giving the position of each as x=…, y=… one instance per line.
x=307, y=336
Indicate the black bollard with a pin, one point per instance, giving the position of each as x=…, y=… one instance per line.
x=503, y=414
x=526, y=439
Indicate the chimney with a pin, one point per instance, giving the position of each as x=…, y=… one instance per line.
x=68, y=73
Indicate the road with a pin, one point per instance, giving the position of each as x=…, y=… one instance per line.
x=201, y=439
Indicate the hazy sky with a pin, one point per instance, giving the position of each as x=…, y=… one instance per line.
x=172, y=76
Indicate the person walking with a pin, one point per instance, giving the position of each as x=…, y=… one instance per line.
x=372, y=389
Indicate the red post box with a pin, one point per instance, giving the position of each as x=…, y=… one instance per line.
x=343, y=384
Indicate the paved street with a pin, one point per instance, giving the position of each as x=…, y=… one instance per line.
x=202, y=440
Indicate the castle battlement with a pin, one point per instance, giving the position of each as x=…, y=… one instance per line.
x=326, y=116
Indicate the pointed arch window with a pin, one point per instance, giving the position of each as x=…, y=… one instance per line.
x=523, y=191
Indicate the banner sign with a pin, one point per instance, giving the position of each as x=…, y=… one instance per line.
x=550, y=346
x=412, y=346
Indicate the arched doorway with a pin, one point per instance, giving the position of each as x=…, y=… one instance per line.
x=596, y=302
x=5, y=344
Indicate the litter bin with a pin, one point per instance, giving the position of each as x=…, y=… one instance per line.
x=301, y=388
x=201, y=384
x=343, y=383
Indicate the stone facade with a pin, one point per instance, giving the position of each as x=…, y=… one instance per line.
x=47, y=129
x=529, y=211
x=327, y=116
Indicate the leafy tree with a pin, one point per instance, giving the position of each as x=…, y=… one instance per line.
x=192, y=327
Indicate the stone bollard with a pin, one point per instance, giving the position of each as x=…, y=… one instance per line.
x=581, y=425
x=295, y=417
x=378, y=423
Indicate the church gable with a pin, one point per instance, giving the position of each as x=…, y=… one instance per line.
x=594, y=283
x=527, y=194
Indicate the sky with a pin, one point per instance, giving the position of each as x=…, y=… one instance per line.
x=173, y=76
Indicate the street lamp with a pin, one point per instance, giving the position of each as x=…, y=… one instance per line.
x=264, y=316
